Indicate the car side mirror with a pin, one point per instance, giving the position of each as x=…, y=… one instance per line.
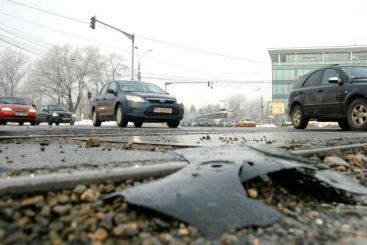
x=335, y=80
x=111, y=91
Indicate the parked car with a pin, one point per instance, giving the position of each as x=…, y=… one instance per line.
x=17, y=109
x=247, y=122
x=137, y=102
x=333, y=93
x=55, y=114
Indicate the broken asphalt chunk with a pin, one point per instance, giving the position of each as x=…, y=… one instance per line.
x=208, y=196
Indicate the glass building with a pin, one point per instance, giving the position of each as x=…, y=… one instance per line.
x=290, y=63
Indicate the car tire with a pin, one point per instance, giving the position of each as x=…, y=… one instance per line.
x=21, y=123
x=119, y=114
x=138, y=124
x=343, y=124
x=95, y=119
x=57, y=123
x=357, y=114
x=173, y=123
x=72, y=123
x=299, y=121
x=33, y=123
x=49, y=121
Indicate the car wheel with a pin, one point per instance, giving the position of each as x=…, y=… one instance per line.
x=49, y=121
x=299, y=121
x=95, y=119
x=34, y=123
x=343, y=124
x=120, y=120
x=72, y=123
x=138, y=124
x=357, y=114
x=173, y=123
x=21, y=123
x=57, y=123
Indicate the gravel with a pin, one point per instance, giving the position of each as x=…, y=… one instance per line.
x=80, y=216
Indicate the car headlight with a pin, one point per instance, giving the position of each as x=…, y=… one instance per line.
x=32, y=110
x=54, y=114
x=134, y=98
x=6, y=109
x=73, y=115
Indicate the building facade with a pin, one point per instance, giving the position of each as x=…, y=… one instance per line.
x=290, y=63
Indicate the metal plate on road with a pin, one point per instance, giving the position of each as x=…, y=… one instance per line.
x=162, y=110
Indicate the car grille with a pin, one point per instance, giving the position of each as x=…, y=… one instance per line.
x=160, y=101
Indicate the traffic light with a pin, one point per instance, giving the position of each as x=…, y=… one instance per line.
x=208, y=83
x=93, y=22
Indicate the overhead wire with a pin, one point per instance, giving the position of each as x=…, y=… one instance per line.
x=148, y=38
x=99, y=43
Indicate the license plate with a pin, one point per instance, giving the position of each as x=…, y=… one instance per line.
x=162, y=110
x=66, y=118
x=21, y=114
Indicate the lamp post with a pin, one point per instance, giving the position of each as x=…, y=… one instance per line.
x=140, y=61
x=262, y=106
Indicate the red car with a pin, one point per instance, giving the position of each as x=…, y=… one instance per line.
x=17, y=109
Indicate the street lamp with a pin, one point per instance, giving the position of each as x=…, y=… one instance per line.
x=141, y=60
x=262, y=106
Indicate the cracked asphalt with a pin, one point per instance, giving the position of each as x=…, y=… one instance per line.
x=76, y=215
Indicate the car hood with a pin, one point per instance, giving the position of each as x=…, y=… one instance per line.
x=17, y=107
x=154, y=95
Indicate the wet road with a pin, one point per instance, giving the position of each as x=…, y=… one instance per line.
x=199, y=136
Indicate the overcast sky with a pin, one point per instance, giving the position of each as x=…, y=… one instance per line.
x=224, y=42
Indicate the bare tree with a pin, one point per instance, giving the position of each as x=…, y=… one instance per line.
x=115, y=67
x=98, y=69
x=13, y=67
x=62, y=74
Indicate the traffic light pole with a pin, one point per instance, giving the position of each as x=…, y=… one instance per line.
x=130, y=36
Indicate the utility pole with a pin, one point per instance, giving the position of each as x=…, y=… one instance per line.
x=93, y=21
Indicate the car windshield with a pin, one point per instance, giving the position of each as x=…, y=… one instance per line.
x=57, y=108
x=356, y=72
x=14, y=100
x=140, y=87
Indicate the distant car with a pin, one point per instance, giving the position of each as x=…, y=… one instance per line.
x=247, y=122
x=17, y=109
x=55, y=114
x=224, y=123
x=137, y=102
x=331, y=94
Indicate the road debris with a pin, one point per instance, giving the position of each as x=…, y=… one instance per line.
x=92, y=142
x=208, y=196
x=200, y=192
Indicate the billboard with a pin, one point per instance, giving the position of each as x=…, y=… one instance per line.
x=276, y=108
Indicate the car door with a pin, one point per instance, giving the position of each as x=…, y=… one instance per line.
x=42, y=114
x=100, y=102
x=110, y=99
x=312, y=93
x=333, y=95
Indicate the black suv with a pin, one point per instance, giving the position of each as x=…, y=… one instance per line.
x=332, y=93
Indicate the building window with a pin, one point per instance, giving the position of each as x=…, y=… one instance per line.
x=337, y=56
x=309, y=57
